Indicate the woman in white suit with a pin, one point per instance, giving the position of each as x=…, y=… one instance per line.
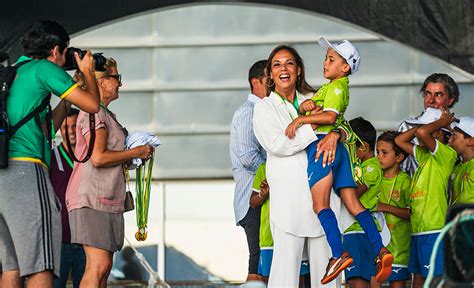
x=293, y=221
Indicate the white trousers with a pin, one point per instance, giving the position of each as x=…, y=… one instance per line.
x=287, y=255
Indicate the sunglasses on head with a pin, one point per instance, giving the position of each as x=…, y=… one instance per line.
x=116, y=76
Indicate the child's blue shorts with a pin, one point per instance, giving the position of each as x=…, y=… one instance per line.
x=360, y=249
x=421, y=247
x=399, y=273
x=265, y=263
x=341, y=167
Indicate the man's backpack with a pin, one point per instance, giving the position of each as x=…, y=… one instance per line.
x=7, y=76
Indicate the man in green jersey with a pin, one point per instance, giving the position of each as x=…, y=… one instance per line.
x=428, y=196
x=30, y=220
x=463, y=175
x=394, y=200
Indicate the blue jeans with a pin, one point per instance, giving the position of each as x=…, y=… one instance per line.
x=73, y=259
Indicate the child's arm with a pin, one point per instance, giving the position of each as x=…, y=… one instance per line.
x=404, y=140
x=322, y=118
x=424, y=133
x=361, y=189
x=403, y=213
x=307, y=105
x=257, y=199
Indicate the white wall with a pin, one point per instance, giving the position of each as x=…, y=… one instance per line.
x=200, y=223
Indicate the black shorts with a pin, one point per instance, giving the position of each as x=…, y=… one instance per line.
x=251, y=225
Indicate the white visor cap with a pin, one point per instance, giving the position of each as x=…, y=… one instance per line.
x=344, y=48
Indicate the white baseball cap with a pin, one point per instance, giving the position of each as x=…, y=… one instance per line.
x=466, y=124
x=344, y=48
x=430, y=115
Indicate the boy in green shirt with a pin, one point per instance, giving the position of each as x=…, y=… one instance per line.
x=428, y=194
x=342, y=60
x=394, y=200
x=463, y=176
x=261, y=197
x=356, y=243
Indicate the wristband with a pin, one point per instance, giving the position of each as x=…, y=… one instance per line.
x=260, y=196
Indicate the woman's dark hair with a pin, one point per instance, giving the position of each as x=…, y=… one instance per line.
x=449, y=85
x=389, y=137
x=301, y=85
x=42, y=36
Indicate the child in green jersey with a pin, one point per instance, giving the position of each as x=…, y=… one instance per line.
x=428, y=194
x=342, y=59
x=463, y=175
x=355, y=242
x=261, y=197
x=394, y=200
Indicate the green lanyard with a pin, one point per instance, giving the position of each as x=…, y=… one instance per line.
x=103, y=106
x=295, y=100
x=66, y=156
x=393, y=187
x=295, y=103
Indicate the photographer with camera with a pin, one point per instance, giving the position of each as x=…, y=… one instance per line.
x=96, y=192
x=30, y=219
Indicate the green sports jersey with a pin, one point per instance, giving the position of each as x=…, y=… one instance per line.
x=428, y=194
x=396, y=192
x=372, y=177
x=333, y=97
x=35, y=81
x=266, y=239
x=463, y=183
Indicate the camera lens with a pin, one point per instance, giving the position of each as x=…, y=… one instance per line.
x=71, y=61
x=99, y=61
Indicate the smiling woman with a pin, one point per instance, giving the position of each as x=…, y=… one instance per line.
x=291, y=213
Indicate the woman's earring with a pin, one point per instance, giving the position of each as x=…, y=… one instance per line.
x=272, y=83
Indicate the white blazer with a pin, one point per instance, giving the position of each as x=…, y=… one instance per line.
x=290, y=202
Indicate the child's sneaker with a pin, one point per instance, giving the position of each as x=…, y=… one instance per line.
x=336, y=266
x=383, y=264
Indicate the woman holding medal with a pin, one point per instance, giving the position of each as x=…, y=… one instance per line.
x=96, y=192
x=291, y=213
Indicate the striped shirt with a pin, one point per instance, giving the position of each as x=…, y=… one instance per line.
x=246, y=155
x=409, y=165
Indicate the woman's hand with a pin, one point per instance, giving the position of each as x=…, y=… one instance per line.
x=290, y=131
x=144, y=152
x=327, y=147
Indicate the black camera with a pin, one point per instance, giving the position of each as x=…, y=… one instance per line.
x=71, y=61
